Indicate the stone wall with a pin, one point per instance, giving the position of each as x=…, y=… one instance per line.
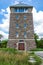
x=29, y=44
x=13, y=42
x=21, y=29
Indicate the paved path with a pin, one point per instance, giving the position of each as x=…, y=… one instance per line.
x=39, y=53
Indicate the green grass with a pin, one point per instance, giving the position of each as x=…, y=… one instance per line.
x=37, y=49
x=37, y=59
x=10, y=50
x=14, y=57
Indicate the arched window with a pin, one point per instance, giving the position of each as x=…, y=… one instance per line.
x=25, y=35
x=17, y=17
x=25, y=25
x=17, y=35
x=17, y=25
x=25, y=17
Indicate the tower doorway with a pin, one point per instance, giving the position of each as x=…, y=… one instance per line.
x=21, y=46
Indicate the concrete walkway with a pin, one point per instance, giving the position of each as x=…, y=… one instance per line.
x=39, y=53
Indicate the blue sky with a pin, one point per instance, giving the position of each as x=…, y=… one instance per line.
x=37, y=15
x=38, y=4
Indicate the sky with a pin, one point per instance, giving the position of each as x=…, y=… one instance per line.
x=5, y=16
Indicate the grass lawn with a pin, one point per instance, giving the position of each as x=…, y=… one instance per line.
x=14, y=57
x=37, y=49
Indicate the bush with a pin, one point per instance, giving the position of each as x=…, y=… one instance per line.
x=37, y=59
x=9, y=50
x=3, y=43
x=39, y=43
x=15, y=57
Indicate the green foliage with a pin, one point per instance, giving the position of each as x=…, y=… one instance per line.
x=9, y=57
x=37, y=49
x=1, y=36
x=36, y=36
x=0, y=39
x=39, y=43
x=3, y=43
x=37, y=59
x=9, y=50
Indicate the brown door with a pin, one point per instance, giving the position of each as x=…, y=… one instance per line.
x=21, y=46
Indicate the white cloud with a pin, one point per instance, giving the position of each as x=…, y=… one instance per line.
x=38, y=22
x=5, y=23
x=2, y=11
x=8, y=10
x=14, y=2
x=5, y=36
x=37, y=18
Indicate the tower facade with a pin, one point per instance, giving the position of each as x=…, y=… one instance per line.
x=21, y=30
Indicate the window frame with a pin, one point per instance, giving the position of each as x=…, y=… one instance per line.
x=25, y=34
x=25, y=25
x=17, y=17
x=17, y=25
x=25, y=17
x=17, y=35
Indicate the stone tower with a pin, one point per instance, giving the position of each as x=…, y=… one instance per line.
x=21, y=31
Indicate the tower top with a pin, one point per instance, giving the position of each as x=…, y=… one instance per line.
x=21, y=4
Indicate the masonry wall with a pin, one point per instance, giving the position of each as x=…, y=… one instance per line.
x=21, y=29
x=30, y=30
x=29, y=44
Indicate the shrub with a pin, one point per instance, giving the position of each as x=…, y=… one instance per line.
x=9, y=56
x=40, y=43
x=4, y=43
x=37, y=59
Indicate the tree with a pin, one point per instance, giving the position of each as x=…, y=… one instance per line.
x=4, y=43
x=36, y=37
x=39, y=43
x=0, y=38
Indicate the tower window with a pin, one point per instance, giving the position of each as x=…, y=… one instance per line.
x=17, y=25
x=17, y=17
x=25, y=35
x=15, y=9
x=25, y=17
x=17, y=35
x=25, y=25
x=20, y=9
